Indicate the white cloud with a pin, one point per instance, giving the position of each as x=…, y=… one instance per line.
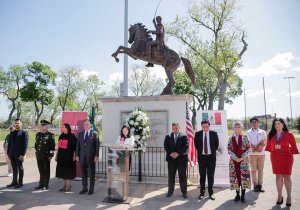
x=115, y=76
x=85, y=73
x=281, y=63
x=295, y=94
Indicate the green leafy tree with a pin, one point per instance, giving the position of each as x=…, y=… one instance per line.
x=69, y=86
x=91, y=92
x=221, y=52
x=38, y=87
x=10, y=85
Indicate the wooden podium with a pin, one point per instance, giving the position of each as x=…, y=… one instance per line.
x=118, y=173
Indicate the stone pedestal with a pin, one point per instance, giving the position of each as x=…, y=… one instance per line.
x=162, y=111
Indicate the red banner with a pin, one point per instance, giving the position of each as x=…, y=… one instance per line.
x=76, y=120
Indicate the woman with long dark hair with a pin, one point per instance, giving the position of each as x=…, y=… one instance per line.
x=282, y=145
x=126, y=138
x=65, y=157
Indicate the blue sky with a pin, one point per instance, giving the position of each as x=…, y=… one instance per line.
x=85, y=33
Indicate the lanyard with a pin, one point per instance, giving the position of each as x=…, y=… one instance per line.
x=278, y=137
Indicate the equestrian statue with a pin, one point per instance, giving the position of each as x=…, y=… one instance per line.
x=143, y=47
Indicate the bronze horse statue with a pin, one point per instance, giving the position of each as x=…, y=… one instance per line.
x=139, y=35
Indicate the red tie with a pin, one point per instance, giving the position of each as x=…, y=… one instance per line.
x=205, y=144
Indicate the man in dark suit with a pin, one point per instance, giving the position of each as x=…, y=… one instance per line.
x=206, y=143
x=176, y=146
x=87, y=152
x=16, y=150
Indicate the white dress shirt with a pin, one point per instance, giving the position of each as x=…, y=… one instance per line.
x=127, y=141
x=208, y=143
x=86, y=133
x=255, y=136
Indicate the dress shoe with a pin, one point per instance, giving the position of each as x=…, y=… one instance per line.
x=91, y=193
x=19, y=186
x=184, y=195
x=237, y=198
x=280, y=202
x=45, y=188
x=256, y=188
x=38, y=187
x=62, y=189
x=288, y=204
x=260, y=189
x=169, y=195
x=67, y=190
x=212, y=197
x=11, y=185
x=201, y=197
x=83, y=191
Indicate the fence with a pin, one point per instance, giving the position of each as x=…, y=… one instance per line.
x=153, y=163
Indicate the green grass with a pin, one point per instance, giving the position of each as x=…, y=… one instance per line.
x=31, y=133
x=298, y=139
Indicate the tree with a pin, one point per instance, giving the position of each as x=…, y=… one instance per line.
x=37, y=87
x=91, y=91
x=10, y=84
x=143, y=82
x=69, y=86
x=220, y=53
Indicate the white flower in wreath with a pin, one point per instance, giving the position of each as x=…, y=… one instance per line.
x=136, y=123
x=131, y=122
x=144, y=137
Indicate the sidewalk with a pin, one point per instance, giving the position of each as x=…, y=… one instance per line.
x=145, y=196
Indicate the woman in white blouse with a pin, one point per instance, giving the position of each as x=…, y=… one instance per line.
x=126, y=139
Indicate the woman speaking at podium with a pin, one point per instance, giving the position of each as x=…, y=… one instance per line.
x=126, y=139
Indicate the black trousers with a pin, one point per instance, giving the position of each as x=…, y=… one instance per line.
x=44, y=169
x=173, y=166
x=17, y=167
x=207, y=165
x=88, y=169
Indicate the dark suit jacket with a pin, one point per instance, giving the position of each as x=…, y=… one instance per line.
x=181, y=147
x=90, y=149
x=213, y=139
x=17, y=146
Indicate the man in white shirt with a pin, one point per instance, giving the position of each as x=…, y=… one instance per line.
x=257, y=138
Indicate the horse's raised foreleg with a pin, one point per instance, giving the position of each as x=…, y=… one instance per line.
x=122, y=49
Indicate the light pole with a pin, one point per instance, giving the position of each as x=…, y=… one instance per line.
x=265, y=103
x=288, y=78
x=125, y=80
x=245, y=108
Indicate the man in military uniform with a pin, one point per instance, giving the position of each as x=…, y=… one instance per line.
x=159, y=41
x=44, y=147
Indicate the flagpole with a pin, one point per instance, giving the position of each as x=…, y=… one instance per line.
x=125, y=87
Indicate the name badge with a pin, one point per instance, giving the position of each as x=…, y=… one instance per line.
x=277, y=146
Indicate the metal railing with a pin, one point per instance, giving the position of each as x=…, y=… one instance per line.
x=153, y=163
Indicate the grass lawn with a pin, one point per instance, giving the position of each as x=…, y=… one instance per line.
x=298, y=139
x=31, y=133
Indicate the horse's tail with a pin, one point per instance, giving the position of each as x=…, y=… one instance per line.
x=188, y=69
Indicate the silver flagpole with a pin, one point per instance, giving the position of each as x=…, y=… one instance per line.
x=126, y=45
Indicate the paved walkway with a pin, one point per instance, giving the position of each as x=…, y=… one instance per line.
x=145, y=196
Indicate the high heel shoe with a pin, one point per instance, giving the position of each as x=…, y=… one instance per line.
x=68, y=190
x=280, y=202
x=62, y=189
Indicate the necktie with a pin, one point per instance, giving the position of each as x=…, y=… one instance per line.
x=86, y=136
x=205, y=144
x=175, y=138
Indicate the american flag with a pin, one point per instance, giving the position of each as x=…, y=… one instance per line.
x=192, y=152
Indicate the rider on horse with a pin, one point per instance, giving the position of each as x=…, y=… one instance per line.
x=159, y=42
